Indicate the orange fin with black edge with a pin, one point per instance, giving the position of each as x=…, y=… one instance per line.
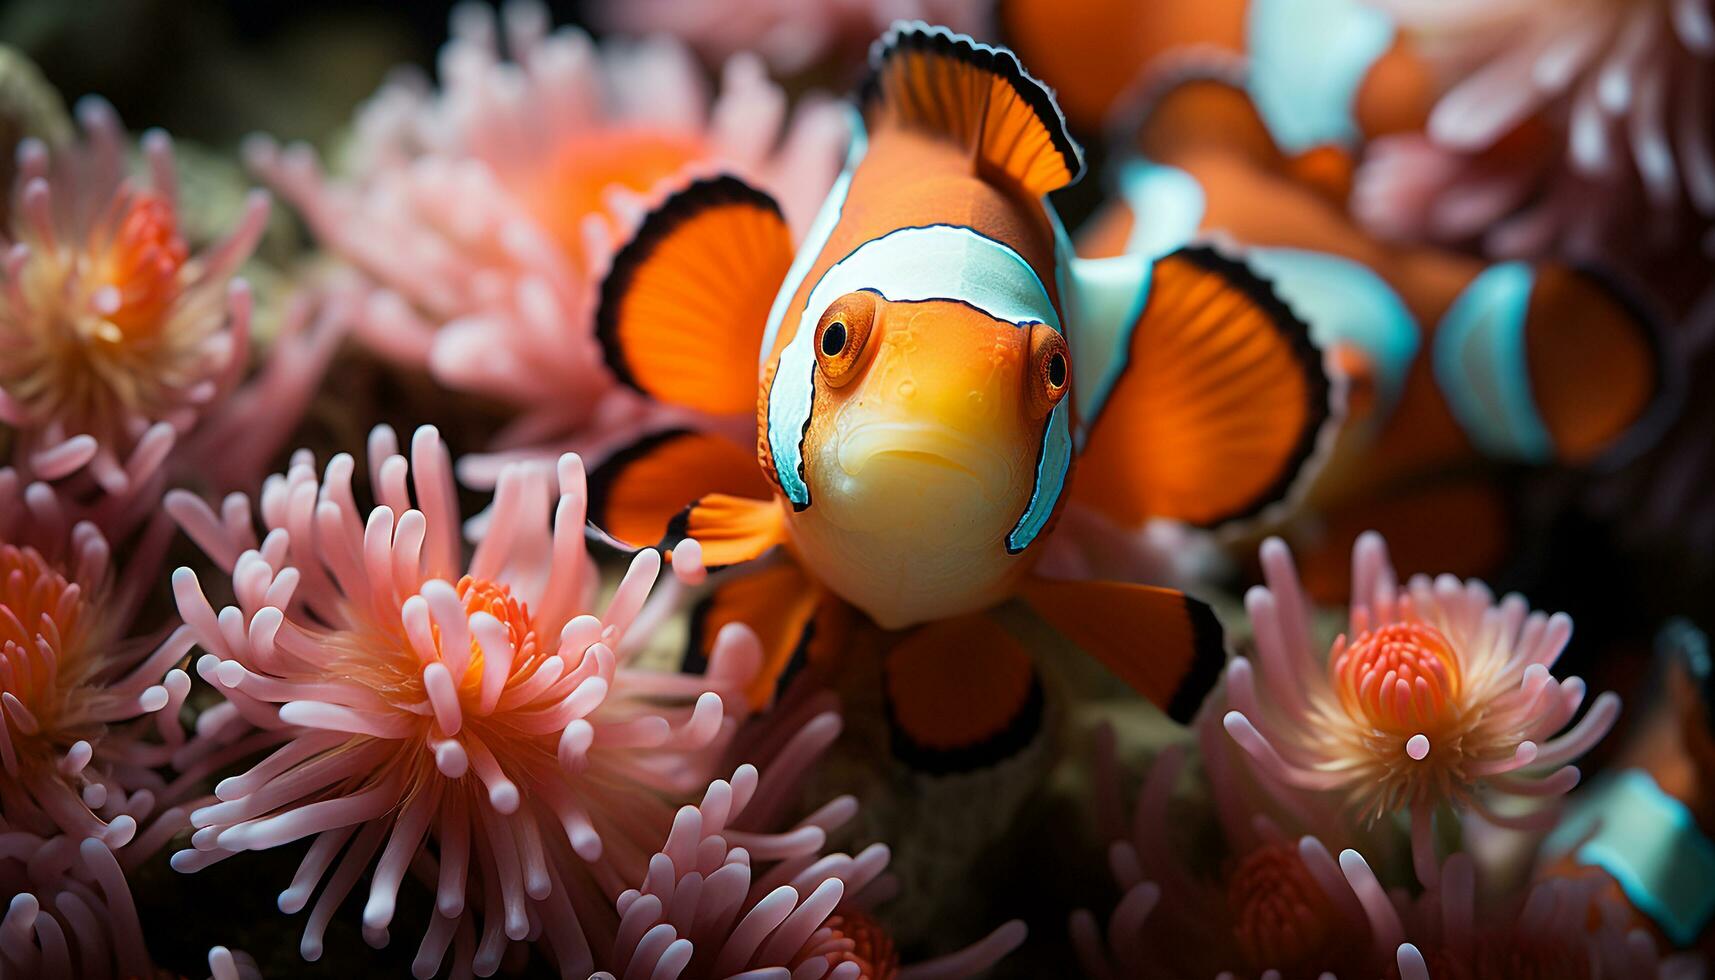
x=685, y=303
x=730, y=529
x=933, y=80
x=1166, y=645
x=676, y=484
x=795, y=619
x=962, y=694
x=1207, y=405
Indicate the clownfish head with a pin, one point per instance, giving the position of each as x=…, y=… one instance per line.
x=927, y=462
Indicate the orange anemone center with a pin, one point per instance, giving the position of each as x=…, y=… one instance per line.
x=1402, y=678
x=872, y=947
x=41, y=618
x=143, y=265
x=482, y=595
x=1281, y=918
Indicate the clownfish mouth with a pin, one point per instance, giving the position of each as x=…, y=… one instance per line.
x=927, y=446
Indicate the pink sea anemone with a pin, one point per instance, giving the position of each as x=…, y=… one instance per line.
x=466, y=720
x=725, y=899
x=484, y=213
x=69, y=914
x=116, y=340
x=1283, y=908
x=1277, y=908
x=1555, y=928
x=1438, y=695
x=88, y=718
x=791, y=34
x=69, y=911
x=88, y=712
x=1559, y=124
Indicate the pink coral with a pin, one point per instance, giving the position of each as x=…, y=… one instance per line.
x=1559, y=124
x=791, y=34
x=414, y=697
x=485, y=212
x=116, y=340
x=1440, y=695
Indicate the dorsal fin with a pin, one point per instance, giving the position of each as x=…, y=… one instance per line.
x=979, y=95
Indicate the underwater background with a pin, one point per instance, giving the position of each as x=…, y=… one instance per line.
x=1489, y=224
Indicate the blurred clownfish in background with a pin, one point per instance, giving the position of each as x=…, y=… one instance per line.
x=934, y=377
x=1323, y=72
x=1451, y=366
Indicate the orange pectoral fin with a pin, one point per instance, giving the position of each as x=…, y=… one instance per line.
x=730, y=529
x=933, y=80
x=788, y=613
x=1166, y=645
x=685, y=304
x=962, y=694
x=1217, y=404
x=644, y=493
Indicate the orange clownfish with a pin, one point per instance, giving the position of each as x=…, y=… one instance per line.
x=1458, y=373
x=934, y=378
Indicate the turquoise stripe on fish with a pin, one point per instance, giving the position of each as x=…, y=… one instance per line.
x=1481, y=368
x=1109, y=296
x=1053, y=463
x=1346, y=302
x=821, y=229
x=1307, y=59
x=1650, y=843
x=1167, y=206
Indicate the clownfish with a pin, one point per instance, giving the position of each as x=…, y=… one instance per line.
x=1323, y=73
x=934, y=377
x=1646, y=826
x=1453, y=367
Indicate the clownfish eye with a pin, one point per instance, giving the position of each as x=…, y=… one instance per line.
x=841, y=336
x=1050, y=369
x=834, y=339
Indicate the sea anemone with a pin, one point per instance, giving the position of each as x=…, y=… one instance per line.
x=1278, y=907
x=792, y=35
x=1439, y=695
x=723, y=898
x=115, y=338
x=78, y=748
x=484, y=214
x=1555, y=928
x=88, y=717
x=69, y=911
x=416, y=699
x=1559, y=123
